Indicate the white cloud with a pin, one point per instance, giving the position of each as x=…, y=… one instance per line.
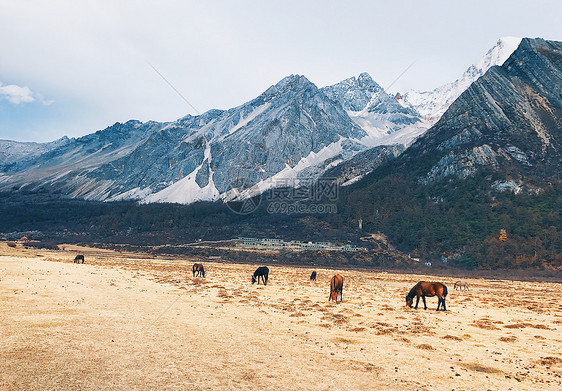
x=16, y=94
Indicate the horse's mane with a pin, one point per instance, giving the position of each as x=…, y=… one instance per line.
x=412, y=292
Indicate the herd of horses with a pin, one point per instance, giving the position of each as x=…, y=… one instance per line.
x=421, y=290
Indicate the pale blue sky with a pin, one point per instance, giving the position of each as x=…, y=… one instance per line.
x=85, y=63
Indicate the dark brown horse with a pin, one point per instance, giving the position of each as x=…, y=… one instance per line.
x=336, y=288
x=198, y=270
x=313, y=276
x=430, y=289
x=79, y=259
x=263, y=272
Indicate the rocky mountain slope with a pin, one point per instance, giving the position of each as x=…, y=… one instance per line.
x=491, y=164
x=509, y=121
x=14, y=151
x=354, y=169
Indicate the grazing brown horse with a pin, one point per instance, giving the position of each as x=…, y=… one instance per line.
x=430, y=289
x=460, y=285
x=79, y=259
x=198, y=270
x=313, y=276
x=336, y=288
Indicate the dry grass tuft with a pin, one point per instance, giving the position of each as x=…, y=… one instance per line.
x=452, y=337
x=223, y=294
x=425, y=346
x=484, y=323
x=365, y=366
x=479, y=368
x=336, y=318
x=342, y=340
x=516, y=326
x=539, y=326
x=550, y=360
x=403, y=339
x=509, y=339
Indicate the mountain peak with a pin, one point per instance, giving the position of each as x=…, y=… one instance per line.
x=364, y=75
x=432, y=104
x=497, y=55
x=514, y=41
x=292, y=80
x=289, y=83
x=366, y=79
x=353, y=93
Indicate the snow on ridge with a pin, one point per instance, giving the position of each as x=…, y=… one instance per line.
x=289, y=173
x=244, y=121
x=432, y=104
x=133, y=194
x=405, y=136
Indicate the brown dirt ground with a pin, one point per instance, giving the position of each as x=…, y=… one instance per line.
x=122, y=321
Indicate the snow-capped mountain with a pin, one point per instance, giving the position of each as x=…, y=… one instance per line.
x=507, y=123
x=291, y=128
x=292, y=131
x=432, y=104
x=379, y=114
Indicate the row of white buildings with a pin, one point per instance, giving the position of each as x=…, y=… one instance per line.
x=293, y=245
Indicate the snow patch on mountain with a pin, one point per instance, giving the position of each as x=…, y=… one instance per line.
x=244, y=121
x=187, y=190
x=432, y=104
x=405, y=136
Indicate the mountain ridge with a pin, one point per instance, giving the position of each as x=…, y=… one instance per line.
x=292, y=131
x=432, y=104
x=198, y=157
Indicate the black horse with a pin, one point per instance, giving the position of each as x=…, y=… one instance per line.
x=262, y=272
x=79, y=259
x=313, y=276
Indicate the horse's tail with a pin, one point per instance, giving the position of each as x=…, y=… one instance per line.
x=445, y=291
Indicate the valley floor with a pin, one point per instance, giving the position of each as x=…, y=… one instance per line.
x=125, y=321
